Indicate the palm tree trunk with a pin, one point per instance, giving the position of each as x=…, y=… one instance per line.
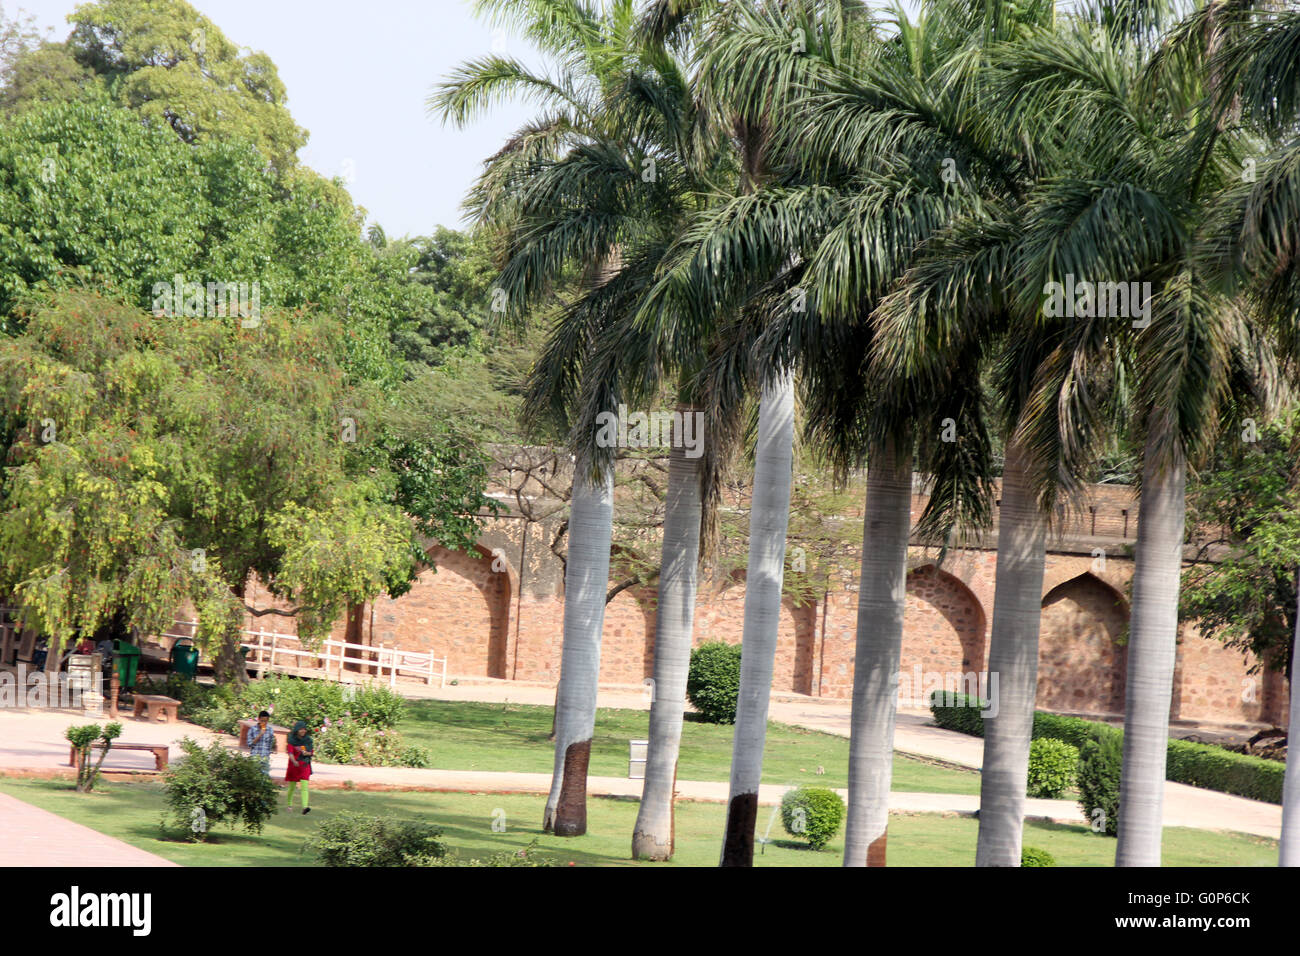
x=1153, y=636
x=586, y=579
x=1289, y=845
x=1012, y=666
x=653, y=835
x=882, y=592
x=769, y=517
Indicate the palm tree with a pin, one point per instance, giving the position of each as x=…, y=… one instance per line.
x=557, y=192
x=764, y=579
x=837, y=221
x=586, y=578
x=1132, y=208
x=604, y=198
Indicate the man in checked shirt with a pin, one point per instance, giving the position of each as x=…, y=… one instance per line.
x=261, y=741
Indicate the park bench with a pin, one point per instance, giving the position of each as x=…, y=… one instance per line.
x=159, y=753
x=156, y=705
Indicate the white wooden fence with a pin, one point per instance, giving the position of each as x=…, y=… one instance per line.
x=267, y=652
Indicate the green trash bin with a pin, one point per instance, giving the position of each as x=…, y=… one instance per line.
x=185, y=658
x=128, y=662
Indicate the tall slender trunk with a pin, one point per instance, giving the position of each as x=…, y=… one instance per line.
x=1153, y=636
x=653, y=834
x=882, y=593
x=1289, y=845
x=769, y=518
x=1012, y=666
x=586, y=579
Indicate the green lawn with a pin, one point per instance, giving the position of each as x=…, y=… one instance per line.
x=131, y=812
x=463, y=735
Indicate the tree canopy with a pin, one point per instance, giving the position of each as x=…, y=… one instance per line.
x=157, y=459
x=170, y=65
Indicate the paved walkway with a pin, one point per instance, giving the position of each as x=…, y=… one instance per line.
x=32, y=741
x=36, y=837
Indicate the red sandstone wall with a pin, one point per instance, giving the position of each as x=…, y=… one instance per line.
x=492, y=619
x=461, y=611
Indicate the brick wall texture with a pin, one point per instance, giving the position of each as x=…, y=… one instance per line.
x=498, y=613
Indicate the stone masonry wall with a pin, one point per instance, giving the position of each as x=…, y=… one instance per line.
x=498, y=613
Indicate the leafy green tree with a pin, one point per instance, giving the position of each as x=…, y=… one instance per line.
x=86, y=192
x=90, y=194
x=176, y=70
x=445, y=283
x=1246, y=503
x=156, y=460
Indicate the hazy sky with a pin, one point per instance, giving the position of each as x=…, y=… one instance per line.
x=357, y=77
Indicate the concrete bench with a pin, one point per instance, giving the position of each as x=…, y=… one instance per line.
x=155, y=706
x=159, y=753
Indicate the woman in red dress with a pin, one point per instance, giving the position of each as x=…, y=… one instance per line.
x=299, y=770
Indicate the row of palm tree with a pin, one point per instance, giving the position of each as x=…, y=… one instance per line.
x=733, y=206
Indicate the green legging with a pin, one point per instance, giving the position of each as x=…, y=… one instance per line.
x=293, y=786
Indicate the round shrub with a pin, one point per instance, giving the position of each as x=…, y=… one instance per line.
x=812, y=813
x=713, y=684
x=1034, y=856
x=218, y=785
x=1053, y=765
x=359, y=839
x=377, y=706
x=1100, y=762
x=349, y=741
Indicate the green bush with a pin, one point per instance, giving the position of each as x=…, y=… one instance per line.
x=1033, y=856
x=290, y=699
x=359, y=839
x=1052, y=767
x=958, y=712
x=349, y=741
x=713, y=684
x=218, y=785
x=377, y=706
x=1073, y=730
x=1100, y=761
x=413, y=756
x=1205, y=765
x=813, y=813
x=1198, y=765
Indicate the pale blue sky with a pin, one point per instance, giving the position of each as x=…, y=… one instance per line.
x=357, y=77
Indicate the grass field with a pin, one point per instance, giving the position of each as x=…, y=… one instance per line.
x=131, y=812
x=464, y=735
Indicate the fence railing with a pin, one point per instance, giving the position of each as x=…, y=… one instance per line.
x=267, y=651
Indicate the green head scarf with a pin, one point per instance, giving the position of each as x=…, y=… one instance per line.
x=300, y=737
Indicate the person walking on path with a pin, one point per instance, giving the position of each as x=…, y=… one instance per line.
x=299, y=770
x=261, y=741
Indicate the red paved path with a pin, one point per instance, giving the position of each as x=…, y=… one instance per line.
x=30, y=836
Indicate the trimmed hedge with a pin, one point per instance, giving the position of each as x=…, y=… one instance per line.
x=1198, y=765
x=1211, y=767
x=1100, y=761
x=713, y=683
x=957, y=712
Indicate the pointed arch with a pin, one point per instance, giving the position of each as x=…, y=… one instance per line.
x=1082, y=664
x=945, y=627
